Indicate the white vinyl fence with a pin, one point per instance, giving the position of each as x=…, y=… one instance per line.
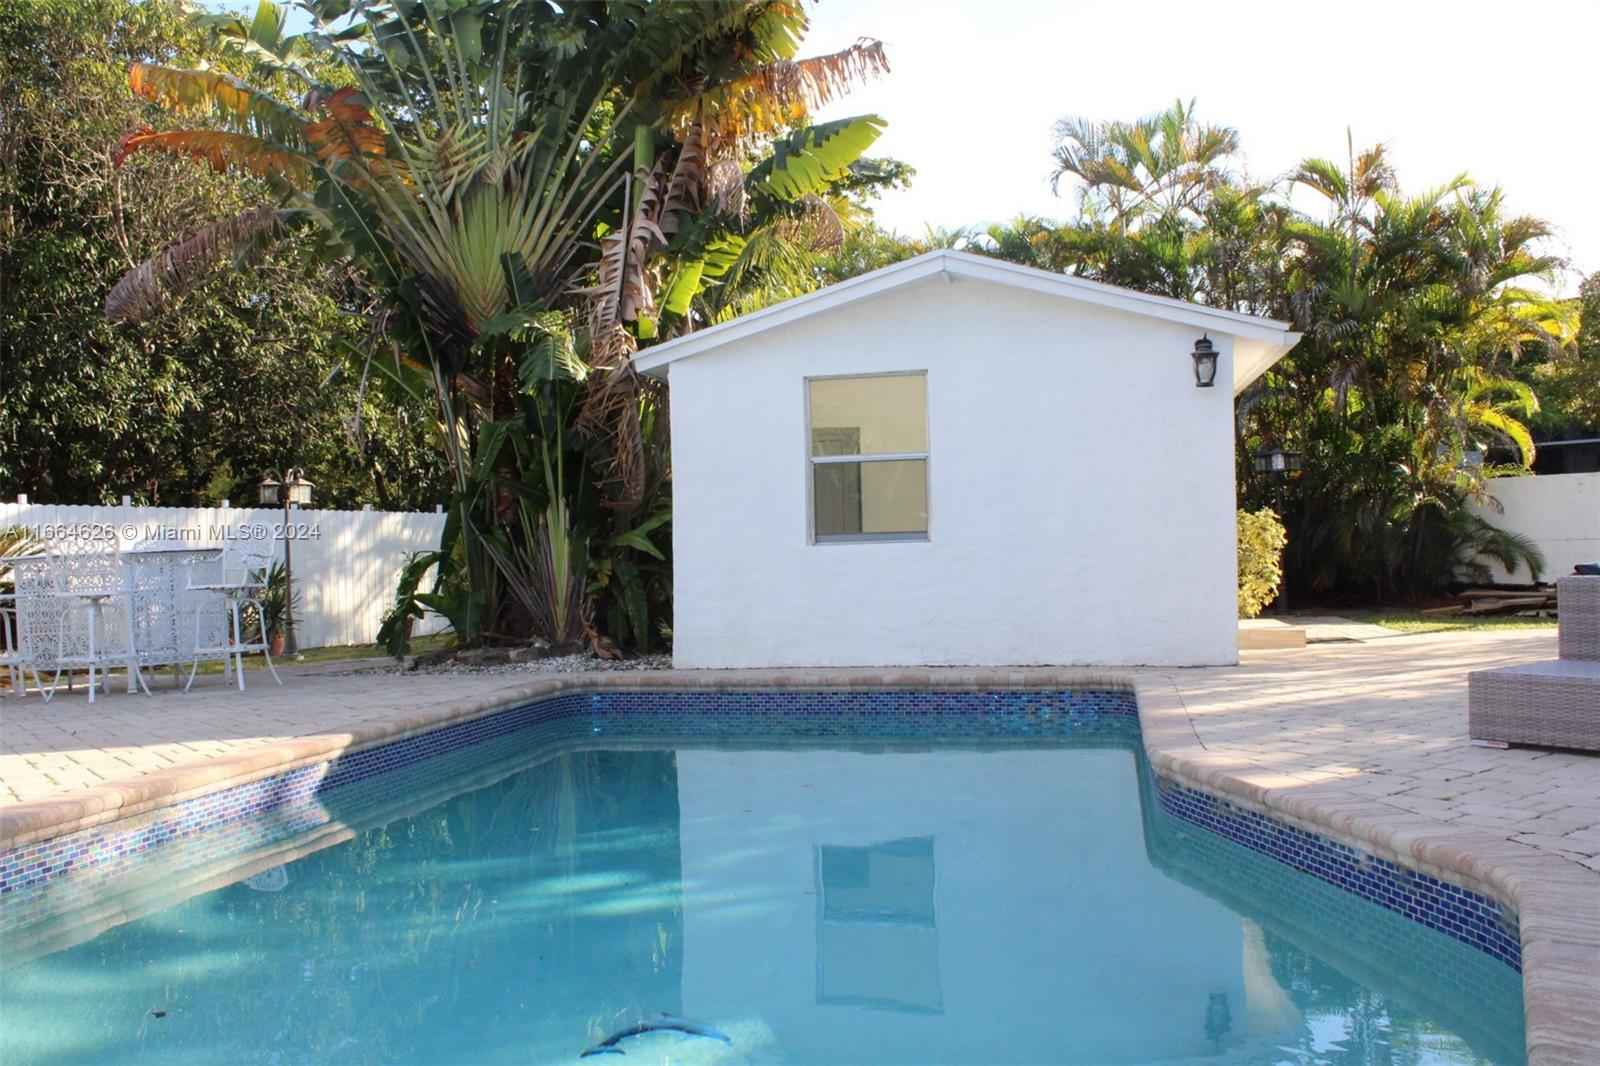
x=346, y=563
x=1558, y=512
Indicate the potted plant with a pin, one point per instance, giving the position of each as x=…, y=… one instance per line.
x=275, y=601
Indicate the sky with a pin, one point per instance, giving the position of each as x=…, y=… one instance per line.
x=1508, y=92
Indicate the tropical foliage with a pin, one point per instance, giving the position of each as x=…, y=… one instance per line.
x=193, y=405
x=1418, y=310
x=529, y=192
x=1261, y=541
x=1567, y=381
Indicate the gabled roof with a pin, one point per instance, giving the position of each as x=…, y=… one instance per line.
x=1259, y=342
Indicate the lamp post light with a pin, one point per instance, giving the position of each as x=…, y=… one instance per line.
x=1205, y=363
x=1277, y=464
x=290, y=490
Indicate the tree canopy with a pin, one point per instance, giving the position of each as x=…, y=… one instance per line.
x=193, y=405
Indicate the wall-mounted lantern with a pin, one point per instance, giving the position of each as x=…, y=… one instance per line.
x=1205, y=363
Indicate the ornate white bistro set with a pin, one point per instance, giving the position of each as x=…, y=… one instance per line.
x=87, y=603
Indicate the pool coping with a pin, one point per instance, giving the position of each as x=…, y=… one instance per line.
x=1556, y=901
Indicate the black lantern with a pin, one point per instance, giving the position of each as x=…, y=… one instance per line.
x=1205, y=363
x=293, y=491
x=1275, y=461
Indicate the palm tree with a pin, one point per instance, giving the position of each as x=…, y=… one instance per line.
x=1413, y=306
x=491, y=169
x=1160, y=166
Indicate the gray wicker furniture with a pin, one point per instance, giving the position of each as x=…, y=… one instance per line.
x=1578, y=599
x=1554, y=703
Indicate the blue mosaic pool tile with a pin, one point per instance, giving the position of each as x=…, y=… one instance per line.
x=1455, y=911
x=277, y=807
x=885, y=715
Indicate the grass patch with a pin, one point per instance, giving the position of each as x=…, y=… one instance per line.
x=253, y=661
x=1409, y=621
x=333, y=653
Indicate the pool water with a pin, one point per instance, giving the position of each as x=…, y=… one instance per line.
x=1021, y=902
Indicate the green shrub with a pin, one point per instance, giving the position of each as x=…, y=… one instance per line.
x=1261, y=541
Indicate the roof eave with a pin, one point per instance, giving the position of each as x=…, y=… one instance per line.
x=954, y=265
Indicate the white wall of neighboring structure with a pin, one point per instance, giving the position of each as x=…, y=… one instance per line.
x=345, y=566
x=1559, y=512
x=1081, y=495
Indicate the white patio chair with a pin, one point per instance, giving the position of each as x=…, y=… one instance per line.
x=11, y=657
x=89, y=580
x=31, y=617
x=242, y=582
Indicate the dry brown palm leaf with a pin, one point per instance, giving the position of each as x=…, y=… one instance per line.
x=177, y=269
x=347, y=133
x=610, y=415
x=610, y=347
x=725, y=187
x=621, y=292
x=778, y=95
x=476, y=390
x=219, y=150
x=688, y=181
x=820, y=224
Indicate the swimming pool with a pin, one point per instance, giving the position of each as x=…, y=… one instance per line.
x=820, y=877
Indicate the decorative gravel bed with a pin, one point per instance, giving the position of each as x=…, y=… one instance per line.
x=557, y=664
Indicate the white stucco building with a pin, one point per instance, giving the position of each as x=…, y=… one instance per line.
x=956, y=460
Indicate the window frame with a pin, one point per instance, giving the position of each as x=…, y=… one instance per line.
x=812, y=461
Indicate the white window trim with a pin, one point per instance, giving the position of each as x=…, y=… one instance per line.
x=812, y=462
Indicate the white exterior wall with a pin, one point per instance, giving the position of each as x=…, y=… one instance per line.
x=1081, y=498
x=344, y=574
x=1559, y=512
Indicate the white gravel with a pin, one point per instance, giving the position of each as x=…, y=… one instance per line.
x=560, y=664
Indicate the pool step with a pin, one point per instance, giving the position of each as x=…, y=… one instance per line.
x=1257, y=634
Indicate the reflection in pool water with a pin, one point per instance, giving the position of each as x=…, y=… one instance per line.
x=1023, y=903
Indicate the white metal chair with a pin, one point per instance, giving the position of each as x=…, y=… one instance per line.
x=34, y=621
x=11, y=657
x=242, y=582
x=89, y=580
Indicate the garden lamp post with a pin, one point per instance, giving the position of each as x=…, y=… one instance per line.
x=1277, y=464
x=290, y=490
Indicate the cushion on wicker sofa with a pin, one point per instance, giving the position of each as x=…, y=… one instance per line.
x=1554, y=703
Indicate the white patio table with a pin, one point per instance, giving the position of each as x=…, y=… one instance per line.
x=164, y=608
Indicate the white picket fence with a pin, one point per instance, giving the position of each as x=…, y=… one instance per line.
x=346, y=563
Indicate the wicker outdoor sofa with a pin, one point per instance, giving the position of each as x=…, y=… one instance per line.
x=1554, y=703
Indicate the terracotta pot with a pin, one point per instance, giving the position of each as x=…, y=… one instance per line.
x=275, y=644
